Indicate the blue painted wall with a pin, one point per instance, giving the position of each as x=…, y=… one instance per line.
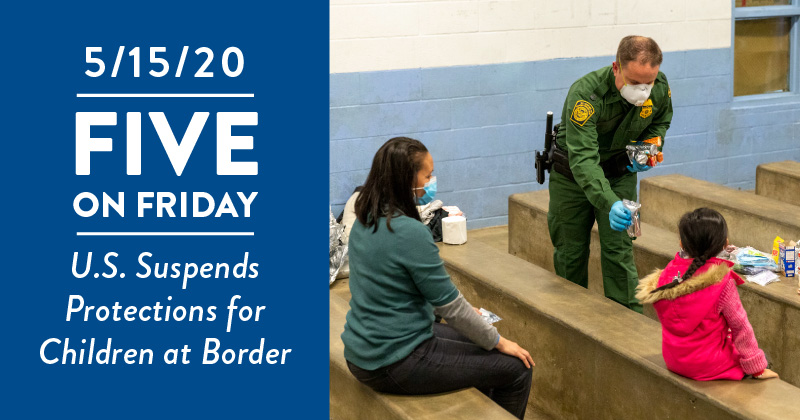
x=483, y=123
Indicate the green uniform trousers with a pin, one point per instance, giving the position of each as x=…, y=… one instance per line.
x=570, y=219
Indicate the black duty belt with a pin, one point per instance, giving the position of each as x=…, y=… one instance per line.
x=614, y=167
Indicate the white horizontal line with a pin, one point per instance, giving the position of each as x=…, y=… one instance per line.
x=165, y=233
x=166, y=95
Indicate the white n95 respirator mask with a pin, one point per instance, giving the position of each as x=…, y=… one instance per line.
x=635, y=94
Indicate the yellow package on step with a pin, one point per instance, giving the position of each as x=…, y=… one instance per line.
x=776, y=250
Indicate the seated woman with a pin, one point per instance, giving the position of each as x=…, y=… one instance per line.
x=398, y=281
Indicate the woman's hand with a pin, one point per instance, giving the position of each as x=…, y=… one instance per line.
x=768, y=374
x=513, y=349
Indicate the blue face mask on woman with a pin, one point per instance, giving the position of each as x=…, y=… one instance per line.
x=430, y=192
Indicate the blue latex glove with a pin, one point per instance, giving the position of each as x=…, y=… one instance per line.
x=635, y=167
x=619, y=216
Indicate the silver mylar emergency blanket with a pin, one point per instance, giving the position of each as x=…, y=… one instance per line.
x=337, y=247
x=427, y=211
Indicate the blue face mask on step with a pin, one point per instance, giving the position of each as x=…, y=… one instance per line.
x=430, y=192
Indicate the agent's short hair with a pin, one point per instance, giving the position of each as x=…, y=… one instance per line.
x=641, y=49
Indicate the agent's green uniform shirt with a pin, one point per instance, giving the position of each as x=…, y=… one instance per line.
x=597, y=124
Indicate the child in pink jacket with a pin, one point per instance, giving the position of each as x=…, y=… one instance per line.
x=705, y=331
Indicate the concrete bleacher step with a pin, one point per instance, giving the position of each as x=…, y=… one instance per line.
x=753, y=220
x=529, y=239
x=779, y=181
x=341, y=288
x=594, y=358
x=773, y=310
x=352, y=400
x=495, y=236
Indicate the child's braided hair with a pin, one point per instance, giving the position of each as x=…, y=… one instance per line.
x=703, y=235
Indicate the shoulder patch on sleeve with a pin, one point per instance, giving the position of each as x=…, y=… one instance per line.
x=581, y=112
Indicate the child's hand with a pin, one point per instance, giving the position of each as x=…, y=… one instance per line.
x=768, y=374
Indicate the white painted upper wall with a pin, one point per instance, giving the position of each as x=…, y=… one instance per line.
x=369, y=35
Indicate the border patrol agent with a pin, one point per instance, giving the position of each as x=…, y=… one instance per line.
x=605, y=111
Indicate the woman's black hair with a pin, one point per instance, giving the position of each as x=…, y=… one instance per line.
x=703, y=234
x=390, y=184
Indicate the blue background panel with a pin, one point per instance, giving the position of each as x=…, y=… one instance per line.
x=483, y=123
x=43, y=71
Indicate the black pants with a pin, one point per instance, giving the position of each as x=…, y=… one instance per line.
x=450, y=361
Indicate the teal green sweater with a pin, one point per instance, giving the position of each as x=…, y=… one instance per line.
x=395, y=279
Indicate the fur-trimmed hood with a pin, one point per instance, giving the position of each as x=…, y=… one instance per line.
x=688, y=305
x=713, y=275
x=695, y=341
